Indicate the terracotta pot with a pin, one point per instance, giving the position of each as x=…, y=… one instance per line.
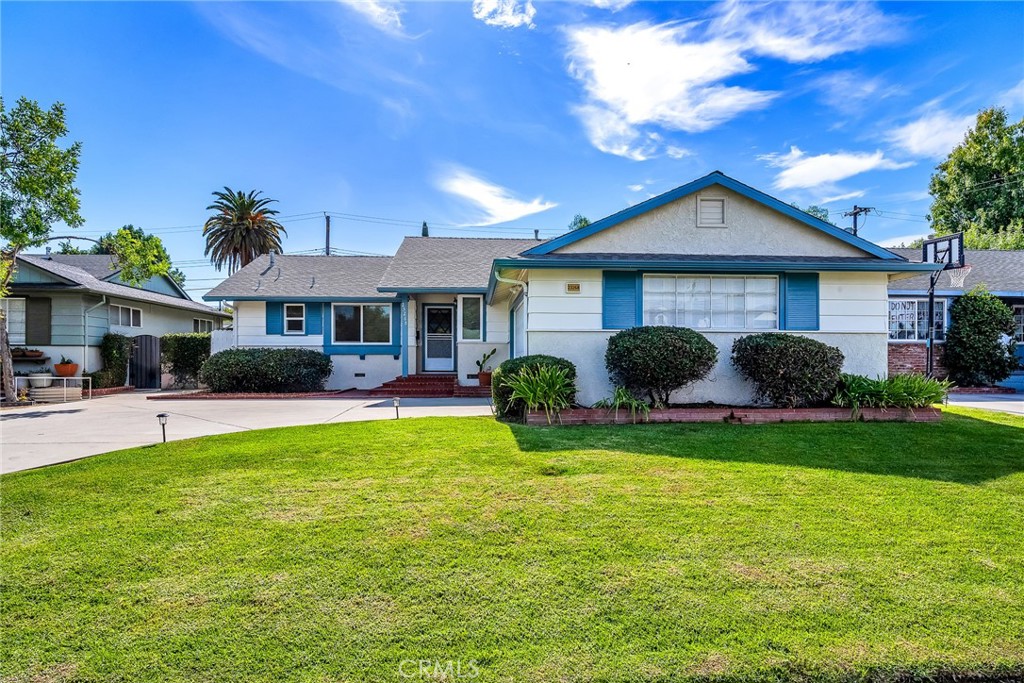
x=485, y=379
x=65, y=369
x=17, y=353
x=33, y=354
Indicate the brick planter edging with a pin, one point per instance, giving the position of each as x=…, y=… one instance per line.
x=111, y=390
x=601, y=416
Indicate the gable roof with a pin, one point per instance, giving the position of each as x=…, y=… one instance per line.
x=445, y=264
x=714, y=178
x=78, y=279
x=1001, y=271
x=307, y=278
x=100, y=266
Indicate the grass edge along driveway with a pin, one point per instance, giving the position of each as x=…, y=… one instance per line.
x=635, y=553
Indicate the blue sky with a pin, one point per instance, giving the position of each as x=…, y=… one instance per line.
x=500, y=116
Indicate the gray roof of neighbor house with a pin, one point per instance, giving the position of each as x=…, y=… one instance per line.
x=448, y=263
x=999, y=271
x=79, y=279
x=100, y=266
x=304, y=277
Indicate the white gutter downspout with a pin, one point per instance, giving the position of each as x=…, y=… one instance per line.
x=510, y=281
x=526, y=299
x=85, y=332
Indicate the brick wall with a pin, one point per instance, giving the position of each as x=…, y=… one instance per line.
x=906, y=358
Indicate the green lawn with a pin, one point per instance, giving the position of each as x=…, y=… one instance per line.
x=634, y=553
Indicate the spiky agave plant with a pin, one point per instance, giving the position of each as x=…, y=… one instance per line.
x=241, y=229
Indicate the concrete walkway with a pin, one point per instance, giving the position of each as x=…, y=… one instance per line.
x=1004, y=403
x=44, y=435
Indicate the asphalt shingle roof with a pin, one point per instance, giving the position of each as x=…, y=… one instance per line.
x=97, y=265
x=999, y=271
x=448, y=262
x=305, y=277
x=82, y=280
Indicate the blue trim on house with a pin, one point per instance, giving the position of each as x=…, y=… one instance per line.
x=512, y=325
x=274, y=318
x=714, y=178
x=483, y=319
x=404, y=322
x=299, y=300
x=314, y=318
x=392, y=349
x=953, y=292
x=799, y=307
x=434, y=290
x=619, y=299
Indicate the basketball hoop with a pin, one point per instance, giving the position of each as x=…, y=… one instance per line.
x=957, y=276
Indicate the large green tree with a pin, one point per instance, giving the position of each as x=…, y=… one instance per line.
x=241, y=229
x=112, y=242
x=37, y=192
x=816, y=211
x=979, y=188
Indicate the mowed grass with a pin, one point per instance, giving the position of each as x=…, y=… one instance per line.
x=635, y=553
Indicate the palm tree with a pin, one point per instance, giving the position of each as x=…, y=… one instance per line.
x=242, y=229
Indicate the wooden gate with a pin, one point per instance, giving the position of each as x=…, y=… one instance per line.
x=145, y=365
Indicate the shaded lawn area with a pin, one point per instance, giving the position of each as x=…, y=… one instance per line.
x=630, y=553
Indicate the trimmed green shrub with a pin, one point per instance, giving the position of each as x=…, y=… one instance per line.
x=788, y=370
x=184, y=355
x=976, y=350
x=545, y=386
x=264, y=370
x=115, y=352
x=655, y=361
x=501, y=391
x=897, y=391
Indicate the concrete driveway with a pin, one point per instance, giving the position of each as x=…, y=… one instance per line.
x=44, y=435
x=1004, y=403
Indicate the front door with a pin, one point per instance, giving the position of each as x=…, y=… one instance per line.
x=439, y=349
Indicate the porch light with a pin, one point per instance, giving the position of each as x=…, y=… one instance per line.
x=396, y=402
x=162, y=417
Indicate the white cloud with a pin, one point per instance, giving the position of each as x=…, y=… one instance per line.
x=497, y=202
x=802, y=171
x=649, y=74
x=613, y=5
x=504, y=13
x=852, y=92
x=900, y=240
x=933, y=135
x=856, y=194
x=674, y=75
x=1014, y=97
x=387, y=16
x=804, y=32
x=635, y=188
x=677, y=152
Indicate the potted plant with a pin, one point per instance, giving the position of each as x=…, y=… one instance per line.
x=484, y=374
x=18, y=352
x=66, y=367
x=33, y=353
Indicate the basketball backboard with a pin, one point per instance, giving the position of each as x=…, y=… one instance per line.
x=947, y=250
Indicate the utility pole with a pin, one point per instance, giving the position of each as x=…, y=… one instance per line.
x=327, y=229
x=858, y=211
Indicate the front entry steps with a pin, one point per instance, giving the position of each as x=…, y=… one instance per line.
x=440, y=385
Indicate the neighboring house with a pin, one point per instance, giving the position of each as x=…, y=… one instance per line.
x=63, y=304
x=715, y=255
x=1001, y=273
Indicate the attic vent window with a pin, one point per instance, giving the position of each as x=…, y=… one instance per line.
x=711, y=212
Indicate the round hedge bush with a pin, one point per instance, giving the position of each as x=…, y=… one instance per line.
x=263, y=370
x=788, y=371
x=975, y=353
x=501, y=392
x=655, y=361
x=184, y=355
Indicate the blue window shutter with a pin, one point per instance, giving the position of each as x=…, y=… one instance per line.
x=619, y=300
x=799, y=295
x=275, y=317
x=314, y=319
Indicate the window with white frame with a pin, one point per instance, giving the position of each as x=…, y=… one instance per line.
x=362, y=323
x=295, y=318
x=1018, y=324
x=14, y=318
x=711, y=212
x=202, y=325
x=471, y=312
x=908, y=319
x=125, y=316
x=712, y=302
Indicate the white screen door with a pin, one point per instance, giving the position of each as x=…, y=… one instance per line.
x=439, y=348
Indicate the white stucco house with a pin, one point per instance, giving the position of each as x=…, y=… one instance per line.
x=714, y=255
